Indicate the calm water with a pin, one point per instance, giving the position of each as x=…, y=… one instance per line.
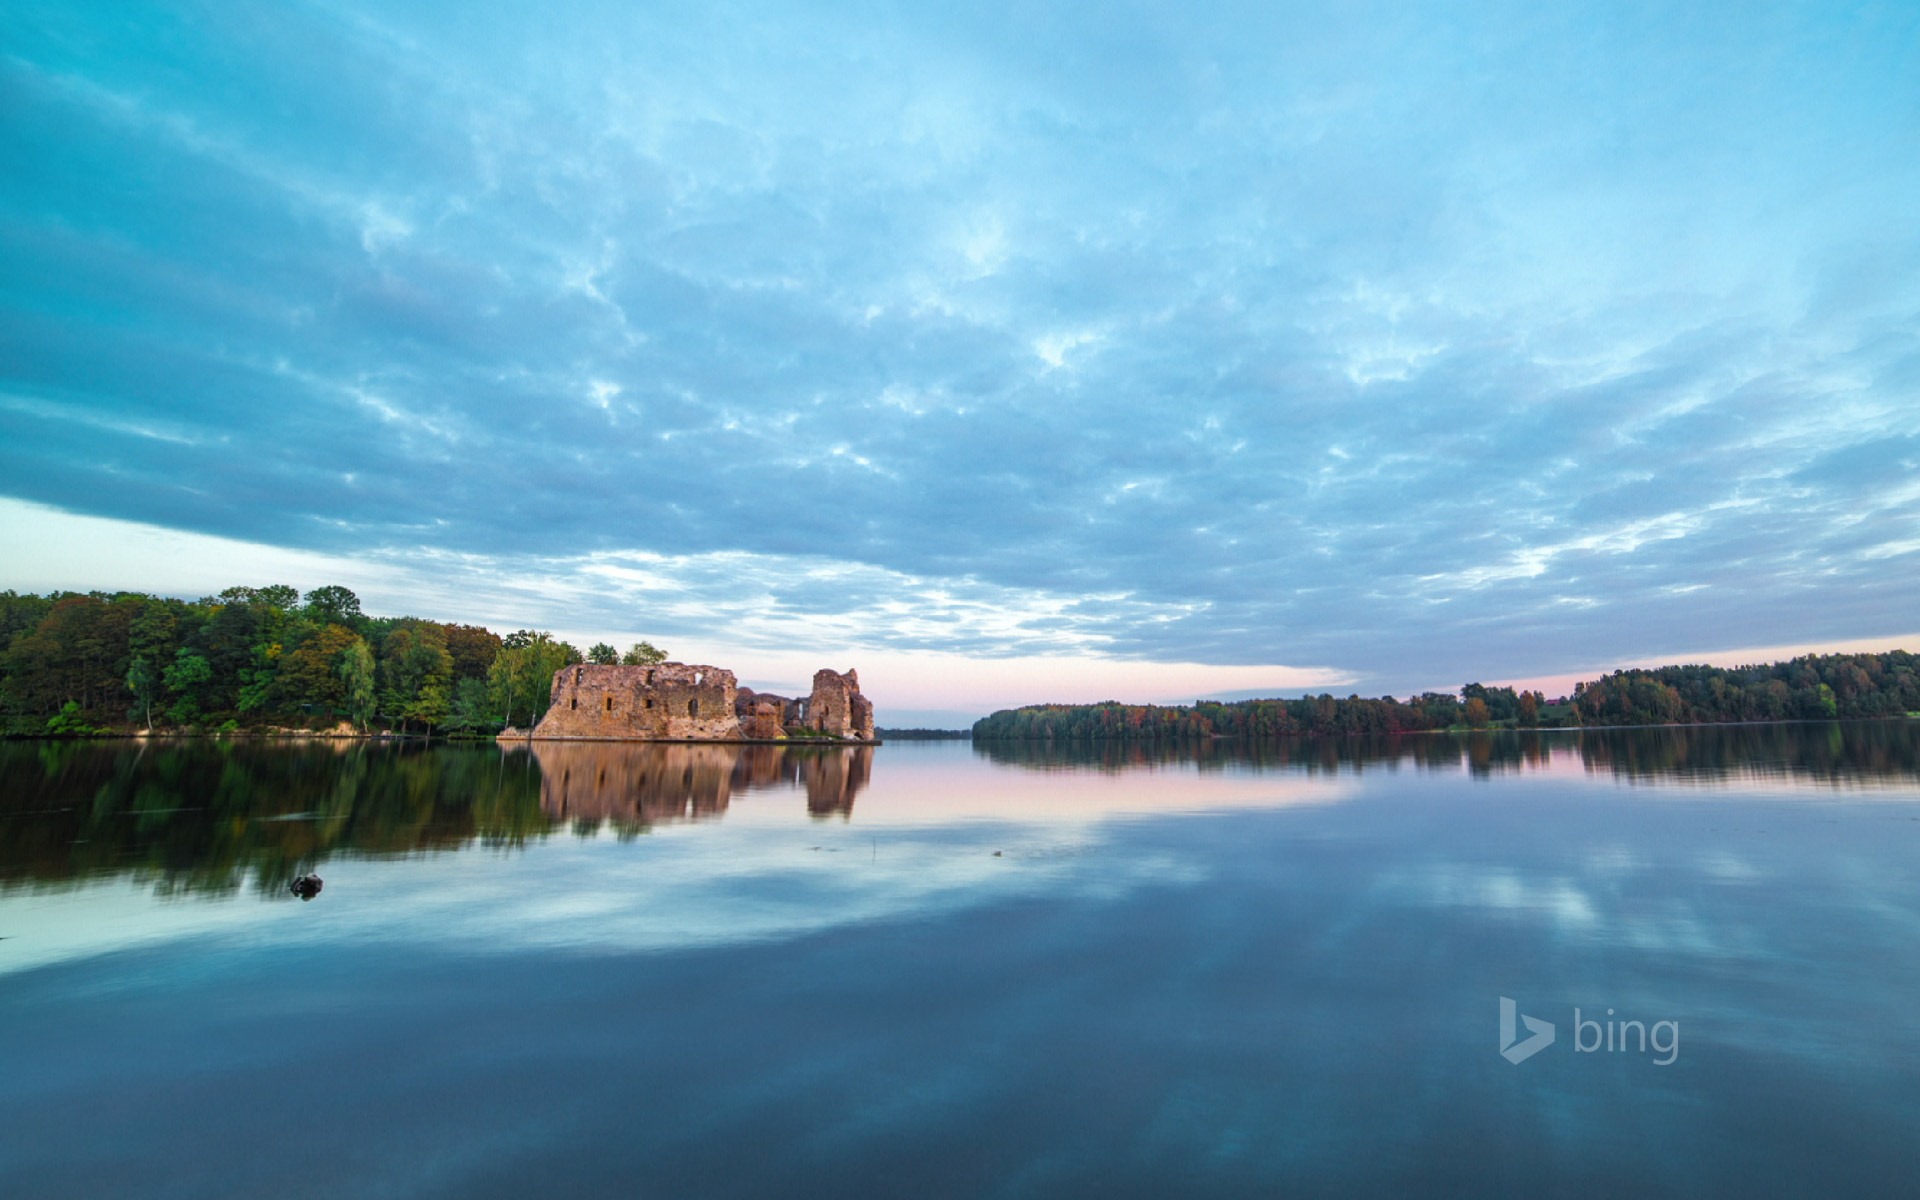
x=929, y=970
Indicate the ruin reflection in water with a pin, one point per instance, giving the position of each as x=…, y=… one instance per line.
x=211, y=817
x=636, y=786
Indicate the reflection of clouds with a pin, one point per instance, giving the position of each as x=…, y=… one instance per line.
x=685, y=887
x=1499, y=890
x=1595, y=906
x=1727, y=867
x=680, y=887
x=1614, y=861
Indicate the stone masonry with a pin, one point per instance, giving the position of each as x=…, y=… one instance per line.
x=683, y=702
x=662, y=702
x=838, y=707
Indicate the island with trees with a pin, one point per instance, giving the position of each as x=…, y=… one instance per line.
x=1811, y=687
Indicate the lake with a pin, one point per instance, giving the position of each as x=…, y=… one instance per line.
x=1634, y=962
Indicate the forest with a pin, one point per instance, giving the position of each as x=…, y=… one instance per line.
x=77, y=664
x=1812, y=687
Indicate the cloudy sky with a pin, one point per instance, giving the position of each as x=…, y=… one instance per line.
x=1009, y=352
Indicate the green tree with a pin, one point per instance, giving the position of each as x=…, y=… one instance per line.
x=258, y=681
x=69, y=721
x=310, y=674
x=643, y=654
x=507, y=681
x=187, y=680
x=416, y=672
x=431, y=704
x=603, y=654
x=144, y=682
x=521, y=678
x=356, y=669
x=471, y=707
x=274, y=595
x=333, y=605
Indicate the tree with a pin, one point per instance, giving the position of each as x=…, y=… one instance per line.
x=258, y=682
x=521, y=677
x=643, y=654
x=186, y=679
x=144, y=682
x=416, y=672
x=333, y=605
x=470, y=706
x=1529, y=709
x=603, y=654
x=431, y=703
x=1476, y=712
x=311, y=673
x=507, y=680
x=472, y=648
x=356, y=668
x=274, y=595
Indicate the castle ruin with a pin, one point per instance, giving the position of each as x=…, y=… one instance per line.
x=681, y=702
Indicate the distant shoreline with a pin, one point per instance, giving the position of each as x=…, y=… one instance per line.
x=953, y=735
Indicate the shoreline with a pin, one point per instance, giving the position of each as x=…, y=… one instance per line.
x=298, y=735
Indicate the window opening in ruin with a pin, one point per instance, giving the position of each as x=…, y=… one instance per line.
x=649, y=678
x=576, y=676
x=693, y=708
x=649, y=701
x=573, y=702
x=609, y=703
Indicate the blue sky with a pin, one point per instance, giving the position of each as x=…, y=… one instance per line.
x=1067, y=347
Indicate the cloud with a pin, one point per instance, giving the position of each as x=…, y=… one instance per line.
x=1405, y=346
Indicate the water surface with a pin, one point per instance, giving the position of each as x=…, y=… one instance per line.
x=931, y=969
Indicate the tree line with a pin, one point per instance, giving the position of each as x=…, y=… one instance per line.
x=77, y=663
x=1812, y=687
x=1477, y=707
x=1809, y=688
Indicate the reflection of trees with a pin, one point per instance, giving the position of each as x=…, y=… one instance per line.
x=205, y=816
x=1831, y=752
x=1313, y=755
x=635, y=786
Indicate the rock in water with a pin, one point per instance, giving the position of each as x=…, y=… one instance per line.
x=307, y=886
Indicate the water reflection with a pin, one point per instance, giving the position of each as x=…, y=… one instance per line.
x=212, y=817
x=634, y=787
x=1852, y=754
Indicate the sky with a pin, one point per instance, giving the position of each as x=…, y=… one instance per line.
x=1008, y=353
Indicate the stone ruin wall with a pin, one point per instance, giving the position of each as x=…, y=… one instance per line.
x=665, y=701
x=683, y=702
x=837, y=706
